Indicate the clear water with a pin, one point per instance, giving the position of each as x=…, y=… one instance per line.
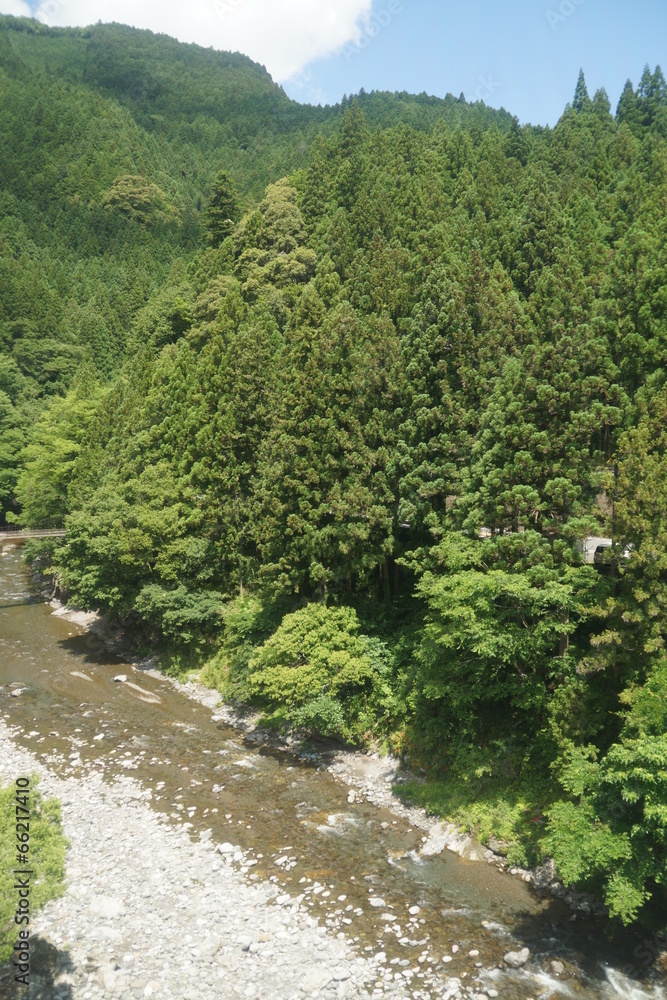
x=270, y=803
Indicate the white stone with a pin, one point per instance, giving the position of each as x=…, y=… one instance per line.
x=315, y=979
x=210, y=947
x=107, y=907
x=516, y=959
x=110, y=978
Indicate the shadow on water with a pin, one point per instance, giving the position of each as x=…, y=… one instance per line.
x=22, y=604
x=47, y=965
x=588, y=944
x=250, y=792
x=91, y=649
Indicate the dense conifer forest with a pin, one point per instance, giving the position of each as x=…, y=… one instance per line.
x=327, y=400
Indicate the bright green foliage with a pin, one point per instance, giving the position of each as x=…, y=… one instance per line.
x=614, y=833
x=272, y=258
x=322, y=715
x=317, y=664
x=270, y=363
x=47, y=859
x=136, y=199
x=501, y=631
x=50, y=458
x=248, y=622
x=479, y=795
x=314, y=651
x=222, y=210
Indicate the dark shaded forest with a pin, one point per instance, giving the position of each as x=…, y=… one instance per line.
x=328, y=399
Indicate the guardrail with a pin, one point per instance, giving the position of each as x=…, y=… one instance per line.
x=9, y=535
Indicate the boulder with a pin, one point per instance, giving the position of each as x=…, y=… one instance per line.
x=516, y=959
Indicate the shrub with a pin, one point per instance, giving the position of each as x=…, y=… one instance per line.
x=317, y=664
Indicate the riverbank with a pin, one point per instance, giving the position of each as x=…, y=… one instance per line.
x=369, y=776
x=148, y=912
x=440, y=919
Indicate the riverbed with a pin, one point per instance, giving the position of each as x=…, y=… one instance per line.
x=351, y=870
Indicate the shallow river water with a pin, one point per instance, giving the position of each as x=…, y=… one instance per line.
x=339, y=855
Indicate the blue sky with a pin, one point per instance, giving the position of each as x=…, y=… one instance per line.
x=523, y=55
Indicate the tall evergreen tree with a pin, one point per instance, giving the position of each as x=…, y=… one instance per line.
x=222, y=211
x=581, y=100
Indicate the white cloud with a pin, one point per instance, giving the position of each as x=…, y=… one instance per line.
x=284, y=35
x=15, y=7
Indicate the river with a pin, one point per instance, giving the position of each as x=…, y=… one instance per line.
x=73, y=715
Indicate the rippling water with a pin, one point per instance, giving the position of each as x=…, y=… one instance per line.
x=336, y=855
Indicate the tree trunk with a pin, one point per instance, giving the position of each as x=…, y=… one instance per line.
x=564, y=643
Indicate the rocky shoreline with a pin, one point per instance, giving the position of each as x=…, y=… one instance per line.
x=150, y=913
x=369, y=776
x=373, y=778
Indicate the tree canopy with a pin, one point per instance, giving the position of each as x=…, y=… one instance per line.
x=329, y=398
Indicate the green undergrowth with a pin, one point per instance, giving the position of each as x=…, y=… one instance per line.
x=496, y=793
x=328, y=671
x=47, y=859
x=509, y=814
x=275, y=719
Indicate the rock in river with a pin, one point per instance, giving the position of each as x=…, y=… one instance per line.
x=516, y=959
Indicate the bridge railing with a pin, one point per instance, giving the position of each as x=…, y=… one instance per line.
x=9, y=534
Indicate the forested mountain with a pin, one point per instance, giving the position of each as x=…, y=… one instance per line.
x=112, y=138
x=341, y=439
